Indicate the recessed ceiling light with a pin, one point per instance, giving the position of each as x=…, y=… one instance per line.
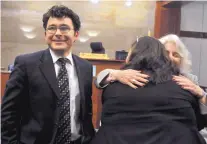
x=128, y=3
x=93, y=33
x=94, y=1
x=30, y=35
x=83, y=39
x=27, y=28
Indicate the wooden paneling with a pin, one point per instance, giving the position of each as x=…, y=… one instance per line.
x=192, y=34
x=4, y=78
x=174, y=4
x=167, y=20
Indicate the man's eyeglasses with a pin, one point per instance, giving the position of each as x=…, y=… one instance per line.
x=63, y=29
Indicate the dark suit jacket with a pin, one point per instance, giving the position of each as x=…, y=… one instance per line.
x=29, y=112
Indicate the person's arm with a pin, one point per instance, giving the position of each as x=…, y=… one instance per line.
x=203, y=98
x=102, y=79
x=129, y=77
x=195, y=89
x=11, y=107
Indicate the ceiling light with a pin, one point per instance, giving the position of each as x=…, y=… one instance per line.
x=83, y=39
x=128, y=3
x=94, y=1
x=26, y=28
x=30, y=35
x=93, y=33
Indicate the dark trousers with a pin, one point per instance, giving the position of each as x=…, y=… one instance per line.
x=78, y=141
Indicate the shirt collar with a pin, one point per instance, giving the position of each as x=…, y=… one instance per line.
x=55, y=57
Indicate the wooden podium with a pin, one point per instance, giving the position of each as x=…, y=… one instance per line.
x=4, y=78
x=96, y=97
x=98, y=65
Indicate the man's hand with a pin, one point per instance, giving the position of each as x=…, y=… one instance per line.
x=129, y=77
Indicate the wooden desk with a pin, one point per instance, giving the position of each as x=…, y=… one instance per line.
x=96, y=97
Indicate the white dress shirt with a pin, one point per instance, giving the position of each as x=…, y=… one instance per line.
x=74, y=93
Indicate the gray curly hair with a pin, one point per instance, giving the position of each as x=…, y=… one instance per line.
x=186, y=62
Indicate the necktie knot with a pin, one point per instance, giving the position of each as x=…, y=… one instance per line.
x=62, y=61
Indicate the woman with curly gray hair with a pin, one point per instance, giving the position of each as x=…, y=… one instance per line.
x=180, y=55
x=177, y=52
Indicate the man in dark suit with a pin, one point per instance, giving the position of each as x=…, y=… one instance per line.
x=48, y=96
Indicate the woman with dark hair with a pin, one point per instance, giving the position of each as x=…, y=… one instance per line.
x=161, y=112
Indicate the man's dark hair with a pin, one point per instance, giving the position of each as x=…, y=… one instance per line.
x=60, y=11
x=150, y=56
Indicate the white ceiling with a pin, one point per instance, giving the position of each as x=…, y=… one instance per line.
x=118, y=24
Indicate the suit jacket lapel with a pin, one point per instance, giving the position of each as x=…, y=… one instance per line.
x=80, y=73
x=48, y=70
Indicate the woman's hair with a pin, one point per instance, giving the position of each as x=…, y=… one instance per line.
x=186, y=63
x=150, y=56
